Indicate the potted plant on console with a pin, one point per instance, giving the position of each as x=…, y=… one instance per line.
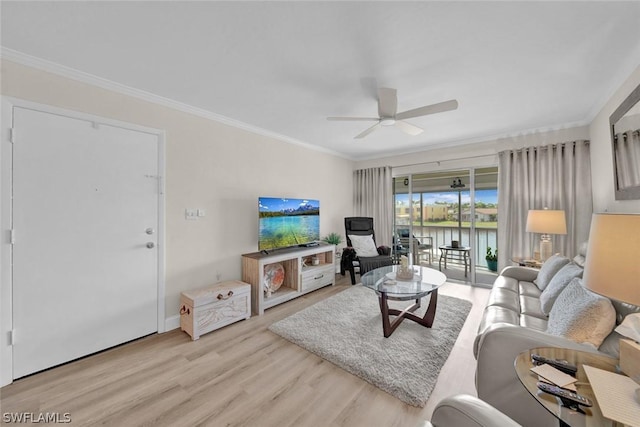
x=333, y=239
x=492, y=259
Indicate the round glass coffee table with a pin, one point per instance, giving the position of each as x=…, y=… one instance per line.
x=384, y=282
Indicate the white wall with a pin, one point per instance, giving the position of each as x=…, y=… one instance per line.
x=602, y=156
x=209, y=165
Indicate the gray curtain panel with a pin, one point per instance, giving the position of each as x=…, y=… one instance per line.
x=628, y=158
x=554, y=176
x=373, y=197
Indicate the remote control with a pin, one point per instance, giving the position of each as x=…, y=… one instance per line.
x=561, y=365
x=568, y=397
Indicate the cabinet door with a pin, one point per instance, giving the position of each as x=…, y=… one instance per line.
x=314, y=278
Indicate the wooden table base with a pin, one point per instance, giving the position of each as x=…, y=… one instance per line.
x=389, y=326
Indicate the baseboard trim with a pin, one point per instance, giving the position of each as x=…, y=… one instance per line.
x=171, y=323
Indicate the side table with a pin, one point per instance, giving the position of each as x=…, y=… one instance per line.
x=462, y=253
x=584, y=417
x=527, y=262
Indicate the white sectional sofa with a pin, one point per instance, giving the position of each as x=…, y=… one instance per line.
x=515, y=321
x=467, y=411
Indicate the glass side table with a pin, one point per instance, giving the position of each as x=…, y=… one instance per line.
x=584, y=416
x=527, y=262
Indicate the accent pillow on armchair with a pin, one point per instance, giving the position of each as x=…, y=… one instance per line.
x=364, y=245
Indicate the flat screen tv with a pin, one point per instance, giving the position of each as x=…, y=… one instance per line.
x=287, y=222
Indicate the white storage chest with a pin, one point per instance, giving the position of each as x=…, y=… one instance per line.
x=207, y=309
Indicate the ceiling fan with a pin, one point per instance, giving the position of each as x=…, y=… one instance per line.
x=388, y=115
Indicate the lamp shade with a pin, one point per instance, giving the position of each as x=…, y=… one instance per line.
x=546, y=222
x=612, y=267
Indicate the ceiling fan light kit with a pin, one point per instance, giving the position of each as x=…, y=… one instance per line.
x=388, y=115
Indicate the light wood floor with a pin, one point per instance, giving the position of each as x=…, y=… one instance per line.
x=241, y=375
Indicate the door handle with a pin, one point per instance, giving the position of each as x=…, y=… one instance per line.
x=150, y=245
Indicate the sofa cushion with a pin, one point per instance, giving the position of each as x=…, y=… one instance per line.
x=532, y=322
x=549, y=269
x=557, y=284
x=501, y=297
x=529, y=289
x=623, y=309
x=530, y=306
x=506, y=283
x=581, y=315
x=611, y=345
x=364, y=245
x=495, y=314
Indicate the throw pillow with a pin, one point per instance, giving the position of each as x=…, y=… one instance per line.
x=581, y=315
x=557, y=284
x=364, y=245
x=611, y=345
x=549, y=269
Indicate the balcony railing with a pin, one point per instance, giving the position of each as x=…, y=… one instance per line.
x=444, y=235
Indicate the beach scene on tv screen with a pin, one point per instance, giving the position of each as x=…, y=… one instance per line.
x=287, y=222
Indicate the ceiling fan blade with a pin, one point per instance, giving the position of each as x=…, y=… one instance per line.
x=387, y=102
x=353, y=119
x=367, y=131
x=408, y=128
x=429, y=109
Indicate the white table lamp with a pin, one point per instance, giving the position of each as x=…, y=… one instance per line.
x=612, y=269
x=546, y=222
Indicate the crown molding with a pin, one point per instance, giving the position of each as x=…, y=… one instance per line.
x=496, y=138
x=81, y=76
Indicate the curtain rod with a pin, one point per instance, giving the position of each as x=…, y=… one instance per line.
x=535, y=147
x=447, y=160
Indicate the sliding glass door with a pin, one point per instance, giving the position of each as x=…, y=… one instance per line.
x=485, y=224
x=447, y=220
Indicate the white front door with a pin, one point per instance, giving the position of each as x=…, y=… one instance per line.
x=85, y=221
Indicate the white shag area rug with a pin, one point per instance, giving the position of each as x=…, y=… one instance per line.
x=346, y=329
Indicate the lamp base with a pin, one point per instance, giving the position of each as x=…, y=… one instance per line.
x=546, y=250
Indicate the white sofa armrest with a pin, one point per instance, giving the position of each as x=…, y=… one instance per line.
x=468, y=411
x=526, y=274
x=496, y=380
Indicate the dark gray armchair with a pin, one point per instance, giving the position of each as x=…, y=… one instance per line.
x=361, y=226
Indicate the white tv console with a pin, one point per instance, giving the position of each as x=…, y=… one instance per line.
x=300, y=276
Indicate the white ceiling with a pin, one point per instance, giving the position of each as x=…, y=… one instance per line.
x=283, y=67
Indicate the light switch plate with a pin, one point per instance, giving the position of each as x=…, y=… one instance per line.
x=191, y=214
